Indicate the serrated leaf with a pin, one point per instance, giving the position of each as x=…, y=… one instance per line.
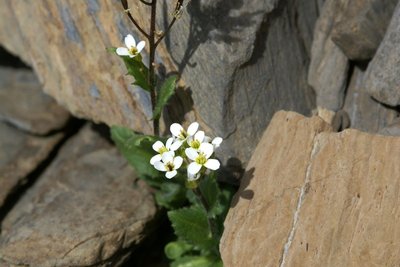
x=170, y=195
x=196, y=261
x=166, y=91
x=190, y=224
x=137, y=149
x=138, y=70
x=174, y=250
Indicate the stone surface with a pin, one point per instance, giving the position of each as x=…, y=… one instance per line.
x=382, y=80
x=329, y=65
x=240, y=61
x=311, y=197
x=23, y=103
x=362, y=28
x=365, y=113
x=392, y=129
x=85, y=210
x=20, y=154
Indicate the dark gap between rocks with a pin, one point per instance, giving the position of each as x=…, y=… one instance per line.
x=69, y=130
x=9, y=60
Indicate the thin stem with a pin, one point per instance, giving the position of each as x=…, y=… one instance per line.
x=152, y=80
x=166, y=32
x=211, y=222
x=136, y=24
x=146, y=3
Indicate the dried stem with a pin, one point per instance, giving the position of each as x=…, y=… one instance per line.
x=152, y=80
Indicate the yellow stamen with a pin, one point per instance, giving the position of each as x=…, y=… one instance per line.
x=201, y=159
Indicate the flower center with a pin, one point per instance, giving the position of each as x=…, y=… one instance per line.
x=195, y=144
x=162, y=150
x=170, y=166
x=182, y=135
x=133, y=50
x=201, y=159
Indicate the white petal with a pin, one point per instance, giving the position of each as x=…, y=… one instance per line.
x=217, y=141
x=191, y=153
x=178, y=162
x=207, y=139
x=157, y=145
x=212, y=164
x=193, y=128
x=199, y=136
x=176, y=129
x=130, y=41
x=192, y=177
x=169, y=142
x=171, y=174
x=207, y=149
x=193, y=168
x=155, y=158
x=140, y=46
x=177, y=144
x=168, y=156
x=160, y=166
x=122, y=51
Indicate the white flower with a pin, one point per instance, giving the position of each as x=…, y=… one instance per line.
x=196, y=140
x=131, y=49
x=216, y=142
x=161, y=149
x=181, y=135
x=201, y=157
x=169, y=164
x=193, y=177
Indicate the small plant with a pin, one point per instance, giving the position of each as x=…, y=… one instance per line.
x=182, y=167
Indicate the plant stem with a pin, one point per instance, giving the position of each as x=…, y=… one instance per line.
x=211, y=222
x=152, y=80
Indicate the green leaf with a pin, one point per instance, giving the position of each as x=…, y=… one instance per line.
x=190, y=224
x=196, y=261
x=137, y=149
x=210, y=191
x=174, y=250
x=166, y=91
x=136, y=68
x=171, y=195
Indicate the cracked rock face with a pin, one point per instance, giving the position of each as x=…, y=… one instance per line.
x=84, y=210
x=23, y=104
x=20, y=154
x=241, y=61
x=329, y=65
x=382, y=79
x=311, y=197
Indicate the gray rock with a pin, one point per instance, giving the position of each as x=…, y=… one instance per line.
x=243, y=61
x=23, y=103
x=365, y=113
x=382, y=80
x=362, y=28
x=329, y=65
x=84, y=211
x=20, y=154
x=392, y=130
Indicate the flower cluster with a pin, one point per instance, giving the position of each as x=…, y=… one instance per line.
x=190, y=148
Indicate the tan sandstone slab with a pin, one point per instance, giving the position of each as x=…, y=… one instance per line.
x=312, y=197
x=85, y=210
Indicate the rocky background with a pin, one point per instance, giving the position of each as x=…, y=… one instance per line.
x=309, y=196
